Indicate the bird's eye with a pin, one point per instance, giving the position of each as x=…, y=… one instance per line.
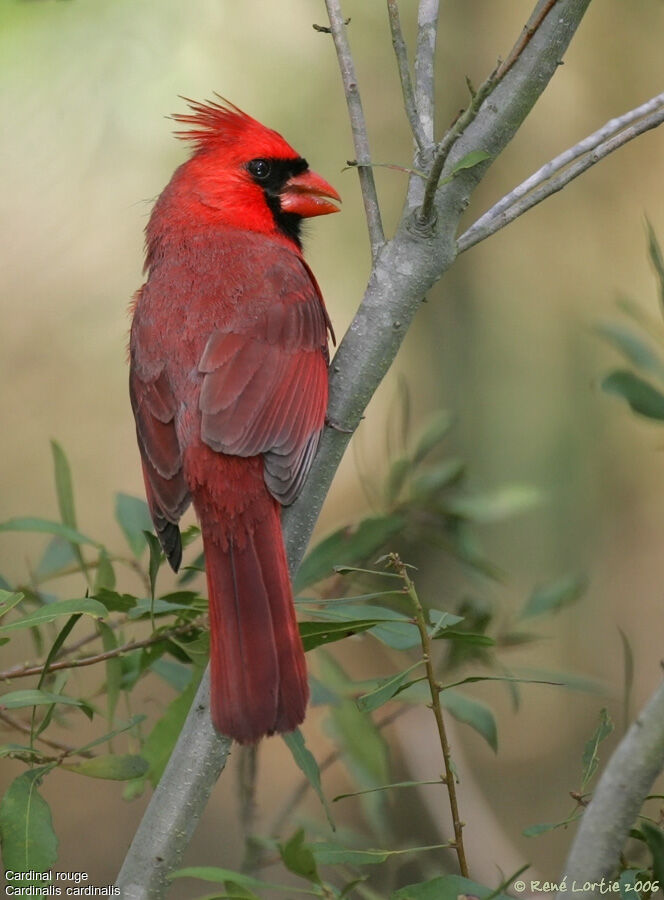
x=259, y=168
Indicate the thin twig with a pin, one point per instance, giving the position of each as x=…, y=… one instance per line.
x=558, y=172
x=26, y=729
x=425, y=53
x=25, y=671
x=358, y=126
x=434, y=689
x=427, y=211
x=526, y=35
x=401, y=54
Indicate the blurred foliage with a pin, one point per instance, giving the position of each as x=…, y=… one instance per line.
x=353, y=591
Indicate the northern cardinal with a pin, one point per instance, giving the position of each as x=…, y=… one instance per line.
x=228, y=384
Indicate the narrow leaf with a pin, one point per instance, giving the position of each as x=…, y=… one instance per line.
x=472, y=713
x=432, y=435
x=446, y=887
x=86, y=606
x=44, y=526
x=386, y=689
x=641, y=396
x=590, y=759
x=554, y=596
x=655, y=841
x=495, y=506
x=105, y=575
x=111, y=767
x=385, y=787
x=657, y=260
x=298, y=858
x=220, y=876
x=26, y=828
x=8, y=600
x=315, y=634
x=347, y=547
x=34, y=697
x=133, y=517
x=306, y=761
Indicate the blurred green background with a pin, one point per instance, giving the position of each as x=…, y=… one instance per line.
x=506, y=341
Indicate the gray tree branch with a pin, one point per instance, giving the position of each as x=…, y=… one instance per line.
x=568, y=165
x=406, y=267
x=617, y=799
x=425, y=68
x=358, y=126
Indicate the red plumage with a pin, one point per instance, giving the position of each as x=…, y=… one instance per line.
x=228, y=384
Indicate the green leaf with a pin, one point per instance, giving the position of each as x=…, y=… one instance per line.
x=432, y=435
x=26, y=828
x=470, y=160
x=8, y=600
x=544, y=827
x=306, y=761
x=590, y=759
x=45, y=526
x=386, y=689
x=131, y=723
x=446, y=887
x=161, y=740
x=111, y=767
x=328, y=854
x=388, y=626
x=466, y=637
x=57, y=644
x=63, y=485
x=58, y=554
x=633, y=346
x=315, y=634
x=34, y=697
x=472, y=713
x=440, y=620
x=105, y=575
x=115, y=602
x=495, y=506
x=86, y=605
x=399, y=471
x=628, y=675
x=655, y=840
x=385, y=787
x=641, y=396
x=554, y=596
x=345, y=547
x=156, y=557
x=113, y=670
x=657, y=260
x=133, y=517
x=221, y=876
x=433, y=480
x=364, y=749
x=298, y=858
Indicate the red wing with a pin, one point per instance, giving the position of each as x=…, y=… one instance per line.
x=168, y=497
x=265, y=390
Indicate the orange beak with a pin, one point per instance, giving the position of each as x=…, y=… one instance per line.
x=308, y=195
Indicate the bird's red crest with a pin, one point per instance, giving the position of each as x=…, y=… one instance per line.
x=216, y=125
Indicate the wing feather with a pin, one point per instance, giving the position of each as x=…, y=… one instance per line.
x=264, y=385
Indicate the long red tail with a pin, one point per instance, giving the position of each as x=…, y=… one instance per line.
x=258, y=672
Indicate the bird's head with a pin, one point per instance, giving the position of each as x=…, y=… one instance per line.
x=246, y=175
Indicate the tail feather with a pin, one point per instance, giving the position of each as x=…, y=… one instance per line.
x=258, y=671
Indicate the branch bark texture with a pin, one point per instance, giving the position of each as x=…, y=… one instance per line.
x=616, y=802
x=405, y=268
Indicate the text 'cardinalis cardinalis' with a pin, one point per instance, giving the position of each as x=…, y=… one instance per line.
x=228, y=385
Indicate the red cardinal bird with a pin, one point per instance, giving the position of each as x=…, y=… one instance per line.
x=228, y=385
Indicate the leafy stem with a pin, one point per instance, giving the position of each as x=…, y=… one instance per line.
x=448, y=779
